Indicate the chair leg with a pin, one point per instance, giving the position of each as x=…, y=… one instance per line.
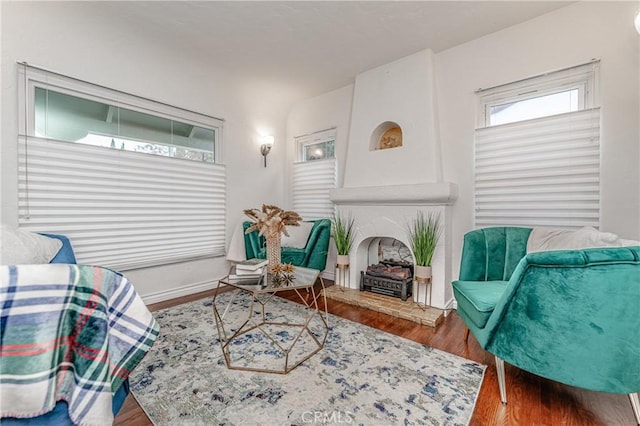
x=501, y=380
x=635, y=403
x=466, y=333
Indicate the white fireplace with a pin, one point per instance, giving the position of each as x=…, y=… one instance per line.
x=385, y=211
x=386, y=185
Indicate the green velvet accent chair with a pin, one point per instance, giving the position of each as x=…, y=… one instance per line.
x=572, y=316
x=313, y=255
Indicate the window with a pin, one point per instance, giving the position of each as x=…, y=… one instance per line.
x=130, y=181
x=536, y=107
x=537, y=152
x=559, y=92
x=314, y=175
x=70, y=118
x=313, y=150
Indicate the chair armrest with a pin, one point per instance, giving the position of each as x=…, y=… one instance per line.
x=253, y=242
x=317, y=247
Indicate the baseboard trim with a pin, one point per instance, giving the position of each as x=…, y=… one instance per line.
x=161, y=296
x=452, y=305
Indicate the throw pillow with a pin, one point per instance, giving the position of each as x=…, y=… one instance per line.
x=21, y=247
x=547, y=239
x=298, y=235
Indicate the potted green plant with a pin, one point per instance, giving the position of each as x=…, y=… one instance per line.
x=343, y=231
x=424, y=232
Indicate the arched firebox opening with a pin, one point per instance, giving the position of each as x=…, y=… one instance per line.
x=389, y=269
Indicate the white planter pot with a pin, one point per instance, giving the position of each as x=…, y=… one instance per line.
x=343, y=259
x=423, y=272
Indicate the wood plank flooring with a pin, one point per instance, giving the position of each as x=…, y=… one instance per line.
x=532, y=399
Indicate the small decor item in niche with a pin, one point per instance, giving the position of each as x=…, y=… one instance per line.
x=282, y=274
x=392, y=138
x=271, y=222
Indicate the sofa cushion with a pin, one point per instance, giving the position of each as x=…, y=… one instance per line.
x=20, y=247
x=291, y=255
x=478, y=299
x=287, y=255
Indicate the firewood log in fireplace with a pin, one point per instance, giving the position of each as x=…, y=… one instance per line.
x=389, y=271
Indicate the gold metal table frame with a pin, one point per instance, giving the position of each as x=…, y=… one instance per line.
x=262, y=294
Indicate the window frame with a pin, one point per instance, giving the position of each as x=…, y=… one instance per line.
x=31, y=77
x=583, y=77
x=51, y=171
x=509, y=190
x=327, y=167
x=321, y=136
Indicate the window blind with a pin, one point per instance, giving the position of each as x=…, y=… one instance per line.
x=122, y=209
x=542, y=172
x=312, y=181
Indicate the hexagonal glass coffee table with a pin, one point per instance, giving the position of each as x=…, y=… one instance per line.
x=284, y=342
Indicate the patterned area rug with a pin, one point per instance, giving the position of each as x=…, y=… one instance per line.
x=361, y=376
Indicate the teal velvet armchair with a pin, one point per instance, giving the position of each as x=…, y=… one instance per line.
x=572, y=316
x=313, y=255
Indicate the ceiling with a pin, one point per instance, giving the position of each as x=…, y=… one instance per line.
x=310, y=47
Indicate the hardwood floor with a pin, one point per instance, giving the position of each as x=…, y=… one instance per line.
x=532, y=399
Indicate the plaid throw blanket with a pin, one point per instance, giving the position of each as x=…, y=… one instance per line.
x=69, y=332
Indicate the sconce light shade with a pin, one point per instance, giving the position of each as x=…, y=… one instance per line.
x=265, y=148
x=637, y=22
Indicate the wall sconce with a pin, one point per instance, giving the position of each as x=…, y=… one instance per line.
x=637, y=22
x=265, y=148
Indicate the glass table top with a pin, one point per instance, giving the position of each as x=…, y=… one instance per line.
x=268, y=283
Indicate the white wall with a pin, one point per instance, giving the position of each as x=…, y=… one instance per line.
x=75, y=39
x=569, y=36
x=401, y=92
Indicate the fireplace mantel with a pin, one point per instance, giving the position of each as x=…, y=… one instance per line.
x=442, y=193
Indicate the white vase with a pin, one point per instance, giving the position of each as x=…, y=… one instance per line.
x=343, y=259
x=422, y=272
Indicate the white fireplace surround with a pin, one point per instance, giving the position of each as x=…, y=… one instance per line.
x=386, y=211
x=384, y=189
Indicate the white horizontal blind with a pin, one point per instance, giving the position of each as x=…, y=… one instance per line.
x=312, y=181
x=122, y=209
x=542, y=172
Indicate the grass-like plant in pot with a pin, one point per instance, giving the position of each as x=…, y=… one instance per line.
x=343, y=230
x=424, y=232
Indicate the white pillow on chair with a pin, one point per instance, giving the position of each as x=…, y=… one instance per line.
x=20, y=247
x=298, y=235
x=548, y=239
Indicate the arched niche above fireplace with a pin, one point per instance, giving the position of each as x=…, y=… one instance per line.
x=387, y=135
